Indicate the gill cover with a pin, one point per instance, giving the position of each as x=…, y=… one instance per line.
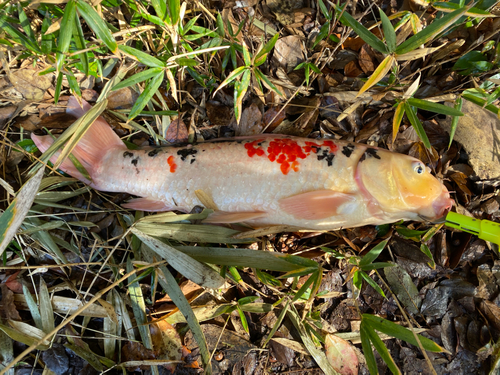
x=400, y=183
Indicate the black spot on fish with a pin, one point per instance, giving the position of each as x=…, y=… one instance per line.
x=329, y=159
x=185, y=152
x=371, y=152
x=347, y=150
x=128, y=153
x=192, y=160
x=315, y=149
x=153, y=152
x=135, y=161
x=259, y=144
x=328, y=156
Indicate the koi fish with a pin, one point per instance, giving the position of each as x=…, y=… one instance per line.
x=265, y=180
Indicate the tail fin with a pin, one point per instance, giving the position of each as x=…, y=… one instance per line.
x=96, y=142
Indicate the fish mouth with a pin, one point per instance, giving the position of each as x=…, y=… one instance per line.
x=441, y=207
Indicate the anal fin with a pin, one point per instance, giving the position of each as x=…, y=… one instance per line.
x=147, y=204
x=316, y=205
x=222, y=217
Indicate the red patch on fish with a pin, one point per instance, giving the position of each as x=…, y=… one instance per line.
x=287, y=152
x=171, y=164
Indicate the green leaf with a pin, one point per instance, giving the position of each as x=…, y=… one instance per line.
x=246, y=56
x=381, y=348
x=184, y=61
x=430, y=32
x=58, y=88
x=371, y=363
x=450, y=7
x=18, y=36
x=434, y=107
x=160, y=8
x=80, y=43
x=65, y=34
x=137, y=78
x=239, y=93
x=454, y=121
x=417, y=125
x=143, y=99
x=389, y=33
x=409, y=233
x=425, y=249
x=262, y=77
x=195, y=271
x=362, y=31
x=267, y=47
x=220, y=25
x=372, y=283
x=324, y=10
x=25, y=23
x=305, y=286
x=399, y=332
x=97, y=24
x=231, y=77
x=475, y=97
x=142, y=57
x=173, y=8
x=373, y=253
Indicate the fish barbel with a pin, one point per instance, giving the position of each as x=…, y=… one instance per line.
x=264, y=180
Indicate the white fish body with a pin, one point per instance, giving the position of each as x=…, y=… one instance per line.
x=265, y=180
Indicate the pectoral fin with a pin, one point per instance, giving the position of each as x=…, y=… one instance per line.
x=147, y=204
x=316, y=205
x=222, y=217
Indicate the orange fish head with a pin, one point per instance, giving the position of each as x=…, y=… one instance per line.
x=401, y=183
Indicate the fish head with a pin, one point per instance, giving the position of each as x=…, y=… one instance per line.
x=403, y=185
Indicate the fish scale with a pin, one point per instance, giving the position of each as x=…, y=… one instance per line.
x=262, y=180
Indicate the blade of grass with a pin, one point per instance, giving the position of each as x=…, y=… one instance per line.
x=373, y=254
x=79, y=39
x=371, y=363
x=137, y=78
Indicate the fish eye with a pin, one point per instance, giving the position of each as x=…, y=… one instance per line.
x=418, y=167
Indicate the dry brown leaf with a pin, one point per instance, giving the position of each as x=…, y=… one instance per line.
x=177, y=132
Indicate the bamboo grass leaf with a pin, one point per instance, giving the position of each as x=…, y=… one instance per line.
x=378, y=74
x=195, y=271
x=362, y=31
x=142, y=57
x=389, y=33
x=12, y=218
x=97, y=24
x=454, y=121
x=143, y=99
x=396, y=122
x=65, y=34
x=417, y=125
x=434, y=107
x=430, y=32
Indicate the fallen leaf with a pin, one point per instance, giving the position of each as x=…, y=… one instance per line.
x=167, y=343
x=7, y=307
x=341, y=355
x=177, y=132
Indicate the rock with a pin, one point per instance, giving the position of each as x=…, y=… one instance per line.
x=478, y=131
